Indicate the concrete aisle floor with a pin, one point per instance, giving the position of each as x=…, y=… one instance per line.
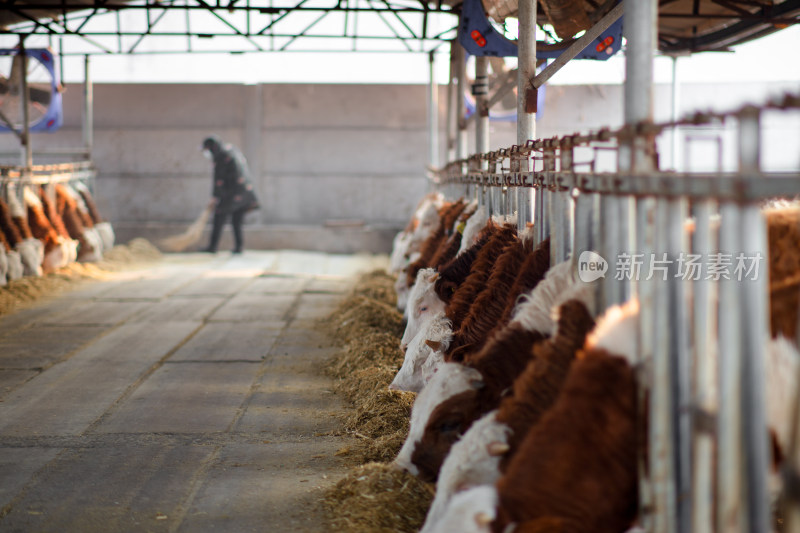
x=185, y=397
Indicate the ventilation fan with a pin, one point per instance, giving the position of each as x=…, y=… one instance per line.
x=44, y=108
x=479, y=37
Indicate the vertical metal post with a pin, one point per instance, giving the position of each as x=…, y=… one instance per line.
x=754, y=334
x=566, y=225
x=452, y=116
x=25, y=101
x=673, y=160
x=521, y=194
x=663, y=461
x=730, y=475
x=480, y=89
x=88, y=108
x=462, y=146
x=584, y=223
x=610, y=247
x=743, y=451
x=526, y=94
x=549, y=166
x=704, y=352
x=433, y=113
x=680, y=361
x=640, y=30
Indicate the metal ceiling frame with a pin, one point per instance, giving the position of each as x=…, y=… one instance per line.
x=252, y=34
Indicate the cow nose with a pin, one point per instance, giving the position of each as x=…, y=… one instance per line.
x=403, y=347
x=393, y=387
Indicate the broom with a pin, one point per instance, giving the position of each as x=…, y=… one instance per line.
x=178, y=243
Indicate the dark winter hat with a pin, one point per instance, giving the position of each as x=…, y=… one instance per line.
x=211, y=142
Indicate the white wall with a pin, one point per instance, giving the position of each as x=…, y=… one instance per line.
x=321, y=153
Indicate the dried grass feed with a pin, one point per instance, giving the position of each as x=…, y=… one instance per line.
x=374, y=497
x=29, y=289
x=377, y=497
x=783, y=229
x=359, y=316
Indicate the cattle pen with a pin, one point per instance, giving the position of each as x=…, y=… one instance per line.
x=597, y=330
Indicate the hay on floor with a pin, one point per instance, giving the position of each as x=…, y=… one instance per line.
x=374, y=349
x=358, y=316
x=373, y=497
x=376, y=497
x=24, y=291
x=377, y=285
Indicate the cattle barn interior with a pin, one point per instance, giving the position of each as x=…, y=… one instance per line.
x=475, y=296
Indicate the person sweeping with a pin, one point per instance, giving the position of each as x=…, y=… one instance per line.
x=232, y=191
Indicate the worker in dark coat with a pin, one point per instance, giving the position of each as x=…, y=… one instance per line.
x=233, y=193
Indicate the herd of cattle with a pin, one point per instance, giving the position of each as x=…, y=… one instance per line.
x=526, y=414
x=46, y=228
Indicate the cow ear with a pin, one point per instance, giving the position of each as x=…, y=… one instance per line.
x=483, y=519
x=434, y=345
x=477, y=383
x=497, y=449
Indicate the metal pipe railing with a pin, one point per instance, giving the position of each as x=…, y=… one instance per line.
x=694, y=318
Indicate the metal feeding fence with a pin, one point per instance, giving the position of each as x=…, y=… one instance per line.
x=692, y=249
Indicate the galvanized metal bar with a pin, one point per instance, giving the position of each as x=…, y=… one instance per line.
x=526, y=95
x=755, y=330
x=462, y=147
x=663, y=467
x=610, y=227
x=552, y=215
x=480, y=89
x=754, y=335
x=25, y=102
x=526, y=64
x=704, y=353
x=680, y=359
x=731, y=508
x=657, y=503
x=575, y=48
x=549, y=166
x=451, y=106
x=566, y=160
x=583, y=226
x=88, y=108
x=433, y=113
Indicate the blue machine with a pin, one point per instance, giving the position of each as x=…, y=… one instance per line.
x=53, y=116
x=479, y=38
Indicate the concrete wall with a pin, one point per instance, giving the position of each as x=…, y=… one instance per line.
x=349, y=157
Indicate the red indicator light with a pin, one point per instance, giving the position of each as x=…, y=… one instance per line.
x=478, y=38
x=605, y=43
x=51, y=123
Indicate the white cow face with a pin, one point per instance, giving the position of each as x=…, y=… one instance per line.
x=423, y=303
x=470, y=511
x=473, y=461
x=431, y=342
x=451, y=379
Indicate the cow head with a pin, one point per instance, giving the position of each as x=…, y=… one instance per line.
x=434, y=338
x=423, y=303
x=473, y=461
x=450, y=381
x=469, y=511
x=447, y=423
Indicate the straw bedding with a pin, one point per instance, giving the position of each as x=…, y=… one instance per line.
x=374, y=496
x=29, y=289
x=784, y=269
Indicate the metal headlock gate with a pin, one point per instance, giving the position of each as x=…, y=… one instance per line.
x=636, y=212
x=79, y=165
